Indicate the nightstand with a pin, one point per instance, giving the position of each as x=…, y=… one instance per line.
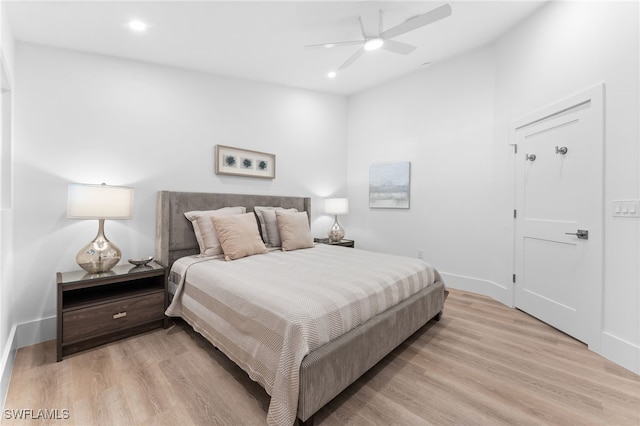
x=94, y=309
x=341, y=243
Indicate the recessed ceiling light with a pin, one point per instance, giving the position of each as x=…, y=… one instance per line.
x=373, y=44
x=331, y=74
x=137, y=25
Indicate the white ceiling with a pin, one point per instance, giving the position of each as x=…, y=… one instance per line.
x=265, y=40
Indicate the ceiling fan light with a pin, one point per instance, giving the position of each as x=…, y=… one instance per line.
x=137, y=25
x=373, y=44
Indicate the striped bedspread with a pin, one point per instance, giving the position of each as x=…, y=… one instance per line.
x=267, y=312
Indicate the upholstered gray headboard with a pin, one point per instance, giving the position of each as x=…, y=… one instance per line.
x=174, y=233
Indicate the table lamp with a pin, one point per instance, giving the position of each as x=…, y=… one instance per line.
x=336, y=206
x=99, y=202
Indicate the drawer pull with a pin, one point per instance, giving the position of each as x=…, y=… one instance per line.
x=119, y=315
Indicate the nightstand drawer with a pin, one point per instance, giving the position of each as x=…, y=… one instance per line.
x=112, y=316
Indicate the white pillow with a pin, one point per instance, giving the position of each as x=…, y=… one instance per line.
x=239, y=235
x=268, y=224
x=204, y=229
x=294, y=230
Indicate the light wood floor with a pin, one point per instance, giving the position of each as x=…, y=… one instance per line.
x=482, y=364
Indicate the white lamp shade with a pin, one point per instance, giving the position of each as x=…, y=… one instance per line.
x=99, y=202
x=336, y=206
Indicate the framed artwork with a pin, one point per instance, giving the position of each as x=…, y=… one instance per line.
x=244, y=162
x=389, y=185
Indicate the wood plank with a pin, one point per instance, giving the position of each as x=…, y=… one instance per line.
x=483, y=363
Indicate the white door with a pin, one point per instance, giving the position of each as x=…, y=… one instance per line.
x=559, y=192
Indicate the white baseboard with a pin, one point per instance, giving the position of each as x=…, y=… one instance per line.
x=21, y=335
x=37, y=331
x=620, y=351
x=477, y=285
x=6, y=363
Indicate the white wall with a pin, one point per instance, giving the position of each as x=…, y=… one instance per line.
x=440, y=119
x=452, y=122
x=7, y=348
x=88, y=118
x=6, y=37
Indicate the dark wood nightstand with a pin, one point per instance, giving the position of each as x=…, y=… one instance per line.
x=94, y=309
x=341, y=243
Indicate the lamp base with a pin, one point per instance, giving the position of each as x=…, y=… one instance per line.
x=100, y=255
x=336, y=233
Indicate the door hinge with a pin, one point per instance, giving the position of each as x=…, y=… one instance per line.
x=515, y=213
x=515, y=147
x=514, y=278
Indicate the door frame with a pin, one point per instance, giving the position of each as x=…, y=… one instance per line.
x=596, y=96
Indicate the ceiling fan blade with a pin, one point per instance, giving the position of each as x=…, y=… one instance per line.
x=398, y=47
x=352, y=59
x=364, y=33
x=417, y=22
x=336, y=44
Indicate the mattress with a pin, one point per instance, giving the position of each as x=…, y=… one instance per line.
x=267, y=312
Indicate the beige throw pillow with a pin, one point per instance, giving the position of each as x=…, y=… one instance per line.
x=267, y=217
x=238, y=235
x=294, y=230
x=204, y=230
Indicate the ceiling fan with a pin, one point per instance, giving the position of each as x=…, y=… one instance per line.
x=383, y=38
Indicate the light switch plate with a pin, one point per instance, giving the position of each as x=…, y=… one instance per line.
x=626, y=208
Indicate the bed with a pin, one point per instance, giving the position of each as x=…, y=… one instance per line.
x=310, y=369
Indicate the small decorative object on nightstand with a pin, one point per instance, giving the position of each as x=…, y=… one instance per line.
x=94, y=309
x=142, y=261
x=336, y=206
x=341, y=243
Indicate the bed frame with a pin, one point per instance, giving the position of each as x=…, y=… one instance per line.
x=330, y=369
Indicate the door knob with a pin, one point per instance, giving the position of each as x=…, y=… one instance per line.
x=561, y=150
x=582, y=234
x=530, y=157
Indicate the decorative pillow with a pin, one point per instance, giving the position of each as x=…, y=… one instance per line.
x=238, y=235
x=269, y=225
x=294, y=230
x=204, y=230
